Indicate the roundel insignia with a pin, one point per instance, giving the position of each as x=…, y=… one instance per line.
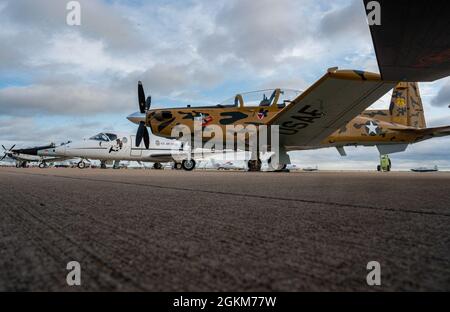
x=157, y=142
x=400, y=102
x=372, y=128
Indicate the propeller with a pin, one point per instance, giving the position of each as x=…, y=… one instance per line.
x=144, y=106
x=6, y=152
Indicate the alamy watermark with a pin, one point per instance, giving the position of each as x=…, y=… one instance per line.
x=373, y=13
x=254, y=139
x=73, y=278
x=73, y=17
x=373, y=278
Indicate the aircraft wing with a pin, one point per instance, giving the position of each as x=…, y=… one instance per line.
x=329, y=104
x=56, y=159
x=412, y=42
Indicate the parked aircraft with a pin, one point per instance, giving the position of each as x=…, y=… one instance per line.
x=24, y=156
x=425, y=169
x=111, y=146
x=331, y=113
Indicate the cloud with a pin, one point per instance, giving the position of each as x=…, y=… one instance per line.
x=442, y=98
x=254, y=32
x=346, y=21
x=98, y=20
x=62, y=99
x=27, y=131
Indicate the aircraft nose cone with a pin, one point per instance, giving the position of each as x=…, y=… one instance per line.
x=136, y=117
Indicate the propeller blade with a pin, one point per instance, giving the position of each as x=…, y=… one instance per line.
x=141, y=97
x=140, y=133
x=148, y=103
x=3, y=157
x=146, y=138
x=4, y=147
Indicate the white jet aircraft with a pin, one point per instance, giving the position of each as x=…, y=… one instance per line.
x=112, y=146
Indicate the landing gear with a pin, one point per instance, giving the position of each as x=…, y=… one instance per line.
x=102, y=165
x=81, y=165
x=279, y=168
x=21, y=164
x=282, y=168
x=385, y=163
x=188, y=164
x=177, y=166
x=157, y=166
x=254, y=165
x=42, y=165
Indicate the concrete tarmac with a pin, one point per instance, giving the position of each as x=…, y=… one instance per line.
x=167, y=230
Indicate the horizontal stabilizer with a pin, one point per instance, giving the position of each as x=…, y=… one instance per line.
x=434, y=132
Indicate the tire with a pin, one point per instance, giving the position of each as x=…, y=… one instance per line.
x=378, y=168
x=157, y=166
x=188, y=165
x=177, y=166
x=388, y=168
x=254, y=165
x=81, y=165
x=42, y=165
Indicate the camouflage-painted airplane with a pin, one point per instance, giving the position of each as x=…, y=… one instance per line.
x=330, y=113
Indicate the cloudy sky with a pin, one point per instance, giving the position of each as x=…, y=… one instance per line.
x=60, y=82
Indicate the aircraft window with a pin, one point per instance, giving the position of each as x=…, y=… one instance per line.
x=111, y=136
x=99, y=137
x=263, y=98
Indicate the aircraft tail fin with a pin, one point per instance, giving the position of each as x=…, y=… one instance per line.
x=406, y=105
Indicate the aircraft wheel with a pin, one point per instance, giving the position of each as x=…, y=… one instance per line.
x=378, y=168
x=42, y=165
x=81, y=165
x=281, y=167
x=254, y=165
x=388, y=168
x=157, y=166
x=177, y=166
x=17, y=166
x=188, y=165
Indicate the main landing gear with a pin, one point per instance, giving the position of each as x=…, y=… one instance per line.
x=42, y=165
x=81, y=165
x=188, y=164
x=254, y=165
x=157, y=166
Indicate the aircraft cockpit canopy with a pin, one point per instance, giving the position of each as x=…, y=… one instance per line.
x=267, y=97
x=104, y=137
